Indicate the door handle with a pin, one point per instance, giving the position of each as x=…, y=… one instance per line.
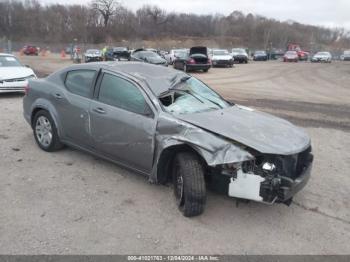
x=99, y=110
x=58, y=96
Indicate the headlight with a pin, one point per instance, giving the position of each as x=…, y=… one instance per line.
x=268, y=166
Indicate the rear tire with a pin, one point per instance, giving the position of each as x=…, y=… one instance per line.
x=189, y=184
x=185, y=68
x=45, y=132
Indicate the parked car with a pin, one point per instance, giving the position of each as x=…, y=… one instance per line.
x=346, y=56
x=148, y=57
x=194, y=60
x=291, y=56
x=221, y=57
x=324, y=57
x=117, y=53
x=260, y=56
x=93, y=55
x=239, y=55
x=276, y=54
x=30, y=50
x=171, y=56
x=169, y=126
x=302, y=55
x=13, y=75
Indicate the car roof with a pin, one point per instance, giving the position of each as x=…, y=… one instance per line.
x=158, y=78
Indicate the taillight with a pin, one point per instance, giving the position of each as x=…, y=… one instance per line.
x=191, y=61
x=26, y=89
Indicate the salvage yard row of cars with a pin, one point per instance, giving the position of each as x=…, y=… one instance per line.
x=202, y=58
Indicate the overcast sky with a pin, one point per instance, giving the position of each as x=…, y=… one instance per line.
x=329, y=13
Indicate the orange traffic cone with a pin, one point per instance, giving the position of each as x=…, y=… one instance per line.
x=63, y=54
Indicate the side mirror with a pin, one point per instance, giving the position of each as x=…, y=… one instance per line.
x=147, y=111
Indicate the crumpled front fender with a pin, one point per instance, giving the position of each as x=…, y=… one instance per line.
x=214, y=149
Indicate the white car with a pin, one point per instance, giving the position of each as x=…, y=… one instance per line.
x=171, y=56
x=13, y=75
x=325, y=57
x=221, y=57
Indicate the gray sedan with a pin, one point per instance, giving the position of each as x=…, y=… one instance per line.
x=170, y=127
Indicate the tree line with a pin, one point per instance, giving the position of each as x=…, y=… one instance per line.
x=103, y=21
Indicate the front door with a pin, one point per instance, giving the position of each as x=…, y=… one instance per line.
x=123, y=123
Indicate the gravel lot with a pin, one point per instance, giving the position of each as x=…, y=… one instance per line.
x=72, y=203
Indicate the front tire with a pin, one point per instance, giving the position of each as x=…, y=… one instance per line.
x=189, y=184
x=45, y=132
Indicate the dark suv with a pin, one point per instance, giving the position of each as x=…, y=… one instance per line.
x=117, y=53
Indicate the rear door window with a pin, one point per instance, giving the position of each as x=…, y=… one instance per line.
x=118, y=92
x=80, y=82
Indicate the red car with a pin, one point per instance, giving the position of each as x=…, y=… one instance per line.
x=30, y=50
x=302, y=55
x=291, y=56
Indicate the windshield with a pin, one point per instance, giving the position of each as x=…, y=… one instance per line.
x=323, y=53
x=9, y=61
x=93, y=51
x=120, y=49
x=238, y=51
x=260, y=53
x=181, y=54
x=191, y=96
x=346, y=52
x=220, y=52
x=291, y=53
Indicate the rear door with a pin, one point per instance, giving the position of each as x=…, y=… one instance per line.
x=73, y=103
x=123, y=122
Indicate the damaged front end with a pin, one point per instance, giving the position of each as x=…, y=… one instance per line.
x=267, y=178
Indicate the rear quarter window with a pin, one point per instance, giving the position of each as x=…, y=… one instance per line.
x=80, y=82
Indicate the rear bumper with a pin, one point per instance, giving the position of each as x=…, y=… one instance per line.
x=198, y=66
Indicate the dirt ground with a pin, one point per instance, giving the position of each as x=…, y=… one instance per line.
x=72, y=203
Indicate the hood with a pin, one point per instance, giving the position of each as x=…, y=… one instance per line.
x=156, y=60
x=199, y=50
x=221, y=57
x=260, y=131
x=15, y=72
x=93, y=55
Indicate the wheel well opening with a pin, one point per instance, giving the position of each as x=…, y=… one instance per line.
x=36, y=110
x=164, y=168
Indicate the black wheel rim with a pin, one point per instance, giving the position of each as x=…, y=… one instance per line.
x=178, y=186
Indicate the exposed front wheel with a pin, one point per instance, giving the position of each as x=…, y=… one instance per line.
x=189, y=184
x=45, y=132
